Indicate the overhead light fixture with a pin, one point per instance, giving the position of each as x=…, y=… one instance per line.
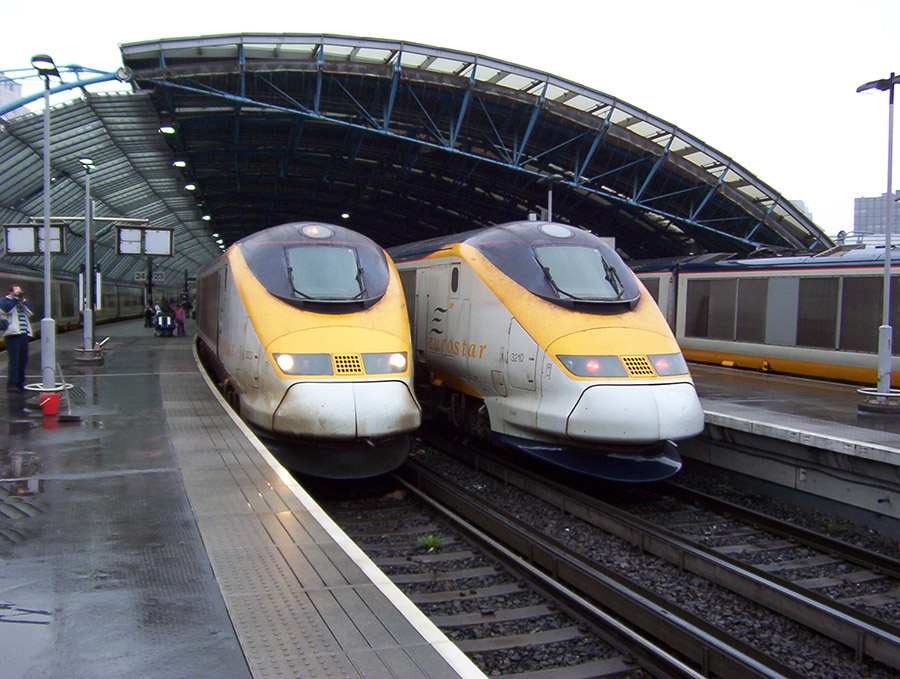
x=345, y=215
x=206, y=218
x=190, y=187
x=179, y=162
x=44, y=65
x=166, y=126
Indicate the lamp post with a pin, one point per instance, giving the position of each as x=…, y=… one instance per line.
x=87, y=292
x=550, y=180
x=45, y=67
x=885, y=332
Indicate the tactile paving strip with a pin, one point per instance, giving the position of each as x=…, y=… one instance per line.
x=300, y=607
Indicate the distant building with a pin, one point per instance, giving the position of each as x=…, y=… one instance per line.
x=10, y=90
x=800, y=205
x=870, y=214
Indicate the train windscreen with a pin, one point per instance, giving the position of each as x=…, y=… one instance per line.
x=324, y=273
x=580, y=272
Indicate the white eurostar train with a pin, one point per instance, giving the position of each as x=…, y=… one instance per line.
x=538, y=334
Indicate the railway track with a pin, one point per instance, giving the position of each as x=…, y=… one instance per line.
x=792, y=622
x=847, y=574
x=515, y=624
x=476, y=592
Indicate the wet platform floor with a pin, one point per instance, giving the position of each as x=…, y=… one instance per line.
x=103, y=569
x=151, y=537
x=821, y=409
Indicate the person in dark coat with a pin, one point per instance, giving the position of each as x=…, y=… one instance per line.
x=17, y=312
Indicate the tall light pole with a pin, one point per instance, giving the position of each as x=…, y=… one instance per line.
x=45, y=67
x=550, y=180
x=885, y=332
x=87, y=292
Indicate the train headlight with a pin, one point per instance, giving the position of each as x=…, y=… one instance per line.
x=594, y=366
x=379, y=364
x=304, y=364
x=669, y=364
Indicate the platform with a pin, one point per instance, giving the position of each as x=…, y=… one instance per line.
x=801, y=434
x=147, y=533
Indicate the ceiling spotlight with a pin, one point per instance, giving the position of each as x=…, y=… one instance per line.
x=176, y=163
x=345, y=215
x=206, y=218
x=166, y=126
x=190, y=187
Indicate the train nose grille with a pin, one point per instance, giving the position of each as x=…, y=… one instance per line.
x=638, y=366
x=347, y=364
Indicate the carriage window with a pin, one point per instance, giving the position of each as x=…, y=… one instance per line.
x=751, y=310
x=696, y=320
x=652, y=285
x=711, y=309
x=580, y=272
x=324, y=272
x=722, y=309
x=817, y=315
x=861, y=313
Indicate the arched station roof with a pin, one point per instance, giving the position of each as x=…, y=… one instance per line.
x=133, y=180
x=410, y=141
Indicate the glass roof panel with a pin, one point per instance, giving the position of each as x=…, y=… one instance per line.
x=337, y=51
x=287, y=51
x=376, y=56
x=679, y=144
x=410, y=59
x=753, y=192
x=701, y=159
x=484, y=73
x=515, y=81
x=619, y=116
x=555, y=92
x=582, y=103
x=645, y=129
x=442, y=65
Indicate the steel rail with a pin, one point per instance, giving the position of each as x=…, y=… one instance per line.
x=885, y=565
x=601, y=592
x=866, y=635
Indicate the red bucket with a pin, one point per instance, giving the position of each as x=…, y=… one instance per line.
x=50, y=403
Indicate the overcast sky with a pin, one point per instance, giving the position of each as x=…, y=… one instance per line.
x=770, y=83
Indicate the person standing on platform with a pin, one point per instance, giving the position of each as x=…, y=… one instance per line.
x=17, y=312
x=179, y=321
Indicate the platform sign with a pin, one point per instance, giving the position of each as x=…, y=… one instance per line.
x=129, y=241
x=158, y=242
x=28, y=239
x=140, y=276
x=144, y=241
